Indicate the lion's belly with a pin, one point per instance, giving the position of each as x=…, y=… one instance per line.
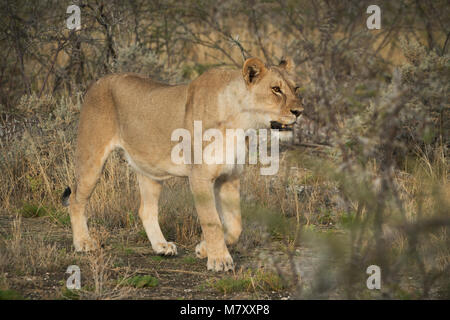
x=157, y=168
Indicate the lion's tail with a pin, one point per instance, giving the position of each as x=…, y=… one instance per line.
x=65, y=197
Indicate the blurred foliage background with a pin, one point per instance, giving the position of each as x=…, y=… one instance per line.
x=369, y=156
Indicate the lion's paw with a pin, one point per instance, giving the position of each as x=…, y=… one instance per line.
x=84, y=245
x=218, y=264
x=200, y=250
x=165, y=248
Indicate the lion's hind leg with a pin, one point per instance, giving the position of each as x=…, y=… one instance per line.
x=97, y=137
x=90, y=159
x=229, y=207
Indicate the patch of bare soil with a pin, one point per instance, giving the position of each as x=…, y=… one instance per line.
x=180, y=277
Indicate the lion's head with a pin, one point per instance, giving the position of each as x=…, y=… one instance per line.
x=274, y=93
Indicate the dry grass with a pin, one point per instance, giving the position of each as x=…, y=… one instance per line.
x=332, y=198
x=248, y=281
x=304, y=195
x=27, y=254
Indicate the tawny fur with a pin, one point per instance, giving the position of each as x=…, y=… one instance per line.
x=138, y=115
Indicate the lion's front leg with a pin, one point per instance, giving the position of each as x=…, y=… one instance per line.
x=219, y=259
x=148, y=211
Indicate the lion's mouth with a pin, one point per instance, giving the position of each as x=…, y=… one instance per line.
x=281, y=127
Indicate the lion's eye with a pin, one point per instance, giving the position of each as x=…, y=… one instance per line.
x=276, y=89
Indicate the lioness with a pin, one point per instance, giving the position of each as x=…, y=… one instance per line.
x=138, y=115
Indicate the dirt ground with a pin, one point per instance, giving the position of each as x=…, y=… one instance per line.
x=180, y=277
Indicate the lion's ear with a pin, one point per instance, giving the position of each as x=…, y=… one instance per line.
x=253, y=70
x=287, y=64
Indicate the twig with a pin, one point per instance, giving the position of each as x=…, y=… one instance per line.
x=173, y=270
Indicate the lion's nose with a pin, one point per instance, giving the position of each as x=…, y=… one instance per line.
x=296, y=112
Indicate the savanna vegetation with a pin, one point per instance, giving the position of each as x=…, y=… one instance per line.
x=363, y=178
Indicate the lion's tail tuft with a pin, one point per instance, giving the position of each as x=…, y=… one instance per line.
x=65, y=197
